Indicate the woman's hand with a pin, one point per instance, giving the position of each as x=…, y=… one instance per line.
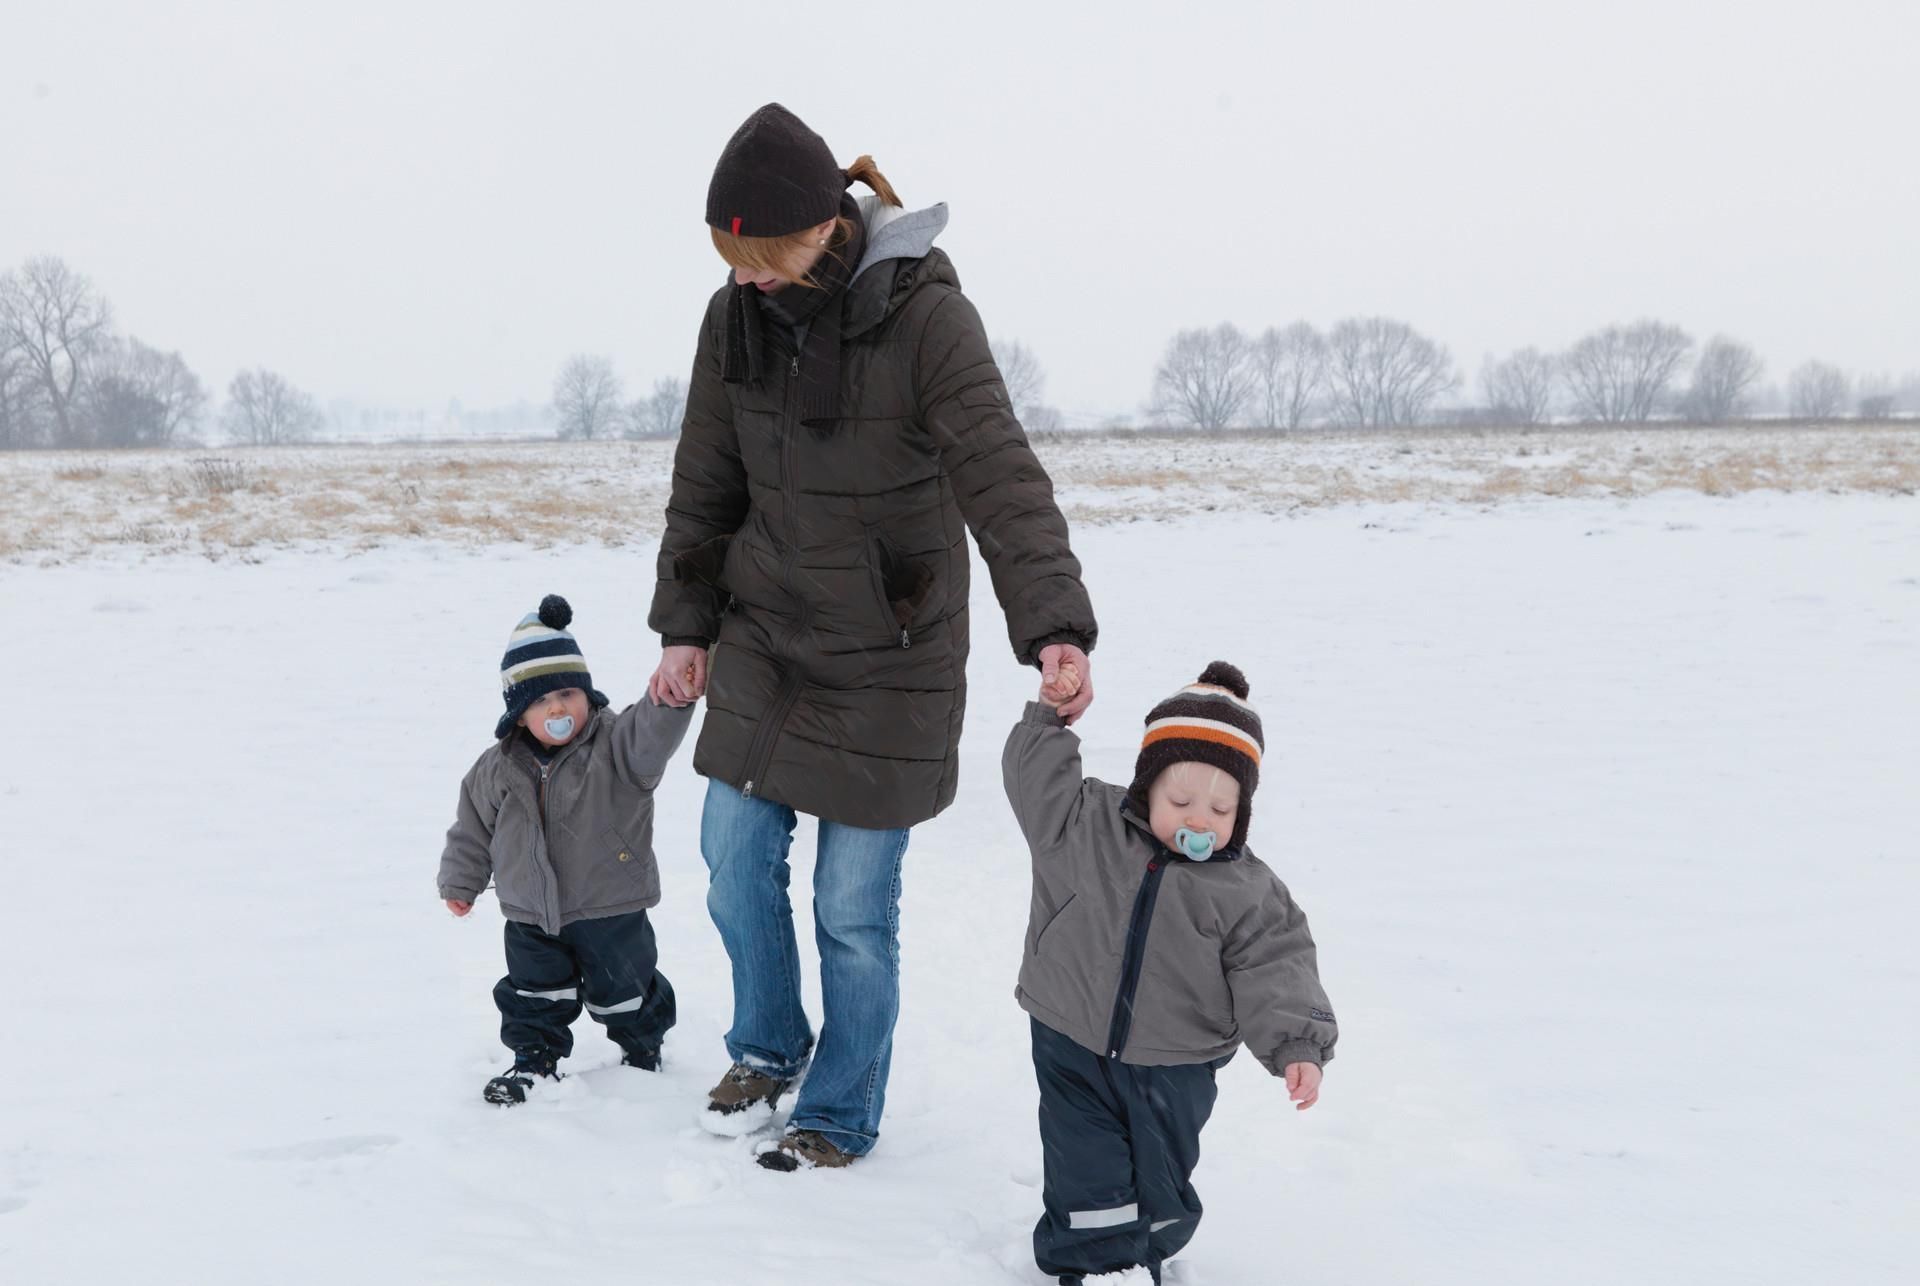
x=682, y=676
x=1303, y=1084
x=1066, y=680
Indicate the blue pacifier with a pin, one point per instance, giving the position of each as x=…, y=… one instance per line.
x=1197, y=845
x=560, y=729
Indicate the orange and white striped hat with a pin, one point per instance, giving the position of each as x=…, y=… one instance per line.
x=1208, y=721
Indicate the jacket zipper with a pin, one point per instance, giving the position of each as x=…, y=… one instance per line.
x=1133, y=958
x=760, y=749
x=540, y=804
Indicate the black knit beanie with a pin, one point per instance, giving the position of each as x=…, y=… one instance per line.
x=1206, y=722
x=775, y=177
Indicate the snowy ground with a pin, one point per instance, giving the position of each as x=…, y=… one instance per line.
x=1605, y=814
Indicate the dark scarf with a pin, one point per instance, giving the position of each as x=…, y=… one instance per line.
x=819, y=310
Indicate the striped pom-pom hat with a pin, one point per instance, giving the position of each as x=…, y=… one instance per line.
x=1209, y=722
x=541, y=658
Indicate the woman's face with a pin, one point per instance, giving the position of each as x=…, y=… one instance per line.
x=799, y=263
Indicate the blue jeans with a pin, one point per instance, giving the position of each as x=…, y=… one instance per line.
x=856, y=917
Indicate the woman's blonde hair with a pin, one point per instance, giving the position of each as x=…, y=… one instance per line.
x=772, y=254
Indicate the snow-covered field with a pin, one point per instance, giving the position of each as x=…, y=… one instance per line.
x=1605, y=813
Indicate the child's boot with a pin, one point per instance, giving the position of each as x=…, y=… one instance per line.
x=511, y=1086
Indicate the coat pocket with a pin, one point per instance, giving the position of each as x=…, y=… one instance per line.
x=901, y=587
x=512, y=851
x=627, y=869
x=1051, y=921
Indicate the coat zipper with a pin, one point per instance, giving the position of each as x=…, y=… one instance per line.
x=760, y=749
x=540, y=805
x=1133, y=958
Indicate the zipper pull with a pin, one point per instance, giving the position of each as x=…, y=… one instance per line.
x=905, y=639
x=747, y=791
x=796, y=366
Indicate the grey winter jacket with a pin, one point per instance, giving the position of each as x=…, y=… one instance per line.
x=571, y=839
x=830, y=564
x=1140, y=954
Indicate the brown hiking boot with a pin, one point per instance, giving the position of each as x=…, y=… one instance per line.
x=743, y=1101
x=808, y=1148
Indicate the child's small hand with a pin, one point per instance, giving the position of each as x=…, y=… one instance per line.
x=1064, y=686
x=1303, y=1085
x=1066, y=680
x=458, y=907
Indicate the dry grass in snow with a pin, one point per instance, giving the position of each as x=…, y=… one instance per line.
x=57, y=506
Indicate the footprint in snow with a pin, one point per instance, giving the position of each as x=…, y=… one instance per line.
x=346, y=1145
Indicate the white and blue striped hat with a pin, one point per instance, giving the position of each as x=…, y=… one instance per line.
x=541, y=658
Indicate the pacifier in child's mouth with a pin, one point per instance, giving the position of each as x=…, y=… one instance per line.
x=1197, y=845
x=559, y=729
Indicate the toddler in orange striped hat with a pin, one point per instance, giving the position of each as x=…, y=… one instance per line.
x=1157, y=945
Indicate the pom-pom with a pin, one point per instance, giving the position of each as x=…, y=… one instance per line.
x=556, y=615
x=1222, y=675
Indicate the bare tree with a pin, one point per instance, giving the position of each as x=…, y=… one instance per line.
x=1519, y=388
x=586, y=397
x=1043, y=419
x=1021, y=372
x=1817, y=391
x=53, y=317
x=1382, y=373
x=1722, y=376
x=140, y=396
x=1906, y=396
x=265, y=410
x=1618, y=375
x=1026, y=382
x=1205, y=378
x=659, y=413
x=1290, y=365
x=1876, y=406
x=22, y=422
x=119, y=413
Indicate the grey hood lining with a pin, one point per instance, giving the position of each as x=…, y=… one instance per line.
x=894, y=233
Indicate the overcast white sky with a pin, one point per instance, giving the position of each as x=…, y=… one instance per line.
x=405, y=203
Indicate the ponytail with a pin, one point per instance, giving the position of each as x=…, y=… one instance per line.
x=864, y=170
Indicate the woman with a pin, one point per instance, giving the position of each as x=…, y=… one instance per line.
x=846, y=426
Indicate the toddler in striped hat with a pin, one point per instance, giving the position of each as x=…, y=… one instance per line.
x=1157, y=945
x=557, y=815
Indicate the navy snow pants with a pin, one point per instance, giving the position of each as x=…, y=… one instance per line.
x=1119, y=1143
x=605, y=965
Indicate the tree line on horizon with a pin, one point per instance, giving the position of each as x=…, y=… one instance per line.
x=68, y=379
x=1379, y=372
